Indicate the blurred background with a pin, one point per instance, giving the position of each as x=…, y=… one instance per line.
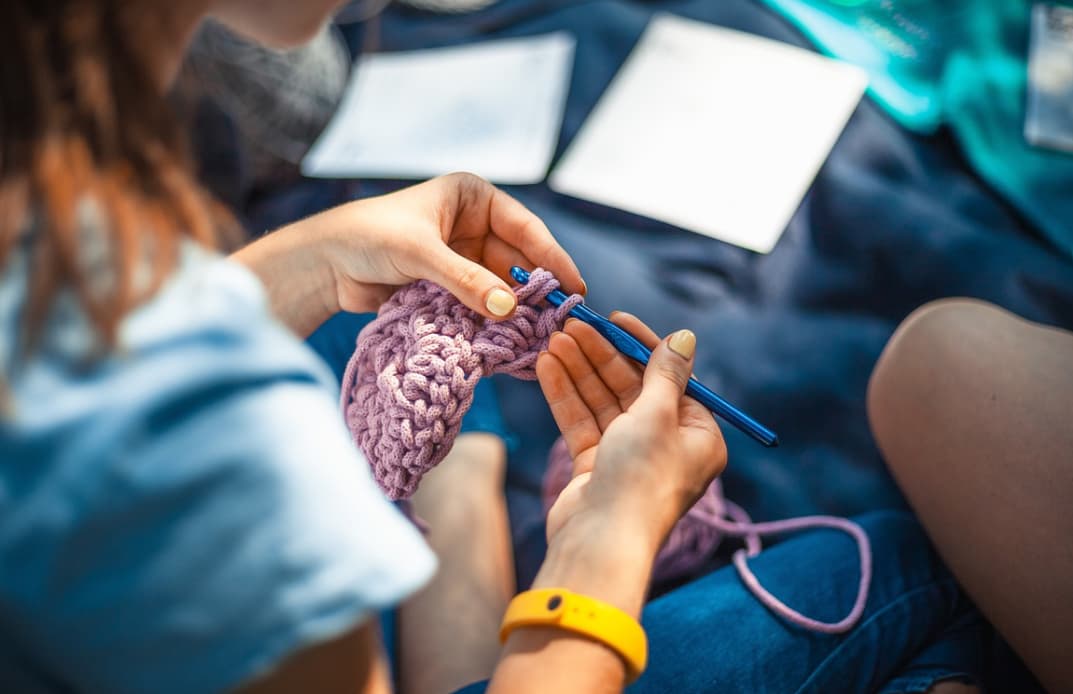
x=934, y=187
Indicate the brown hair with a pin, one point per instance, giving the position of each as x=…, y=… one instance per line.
x=82, y=118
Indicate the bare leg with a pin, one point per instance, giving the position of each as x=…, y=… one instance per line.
x=973, y=410
x=953, y=688
x=449, y=632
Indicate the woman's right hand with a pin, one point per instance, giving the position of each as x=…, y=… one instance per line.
x=643, y=452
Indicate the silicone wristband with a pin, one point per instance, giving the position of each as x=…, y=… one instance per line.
x=580, y=614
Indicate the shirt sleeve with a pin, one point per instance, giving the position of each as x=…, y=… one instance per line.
x=198, y=514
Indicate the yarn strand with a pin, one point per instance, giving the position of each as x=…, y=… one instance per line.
x=697, y=535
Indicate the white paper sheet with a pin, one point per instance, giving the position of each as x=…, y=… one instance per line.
x=492, y=108
x=712, y=130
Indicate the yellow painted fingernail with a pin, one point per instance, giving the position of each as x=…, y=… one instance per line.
x=500, y=302
x=683, y=343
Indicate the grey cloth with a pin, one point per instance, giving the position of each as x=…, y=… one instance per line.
x=279, y=101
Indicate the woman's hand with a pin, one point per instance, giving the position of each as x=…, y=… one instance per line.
x=457, y=230
x=643, y=453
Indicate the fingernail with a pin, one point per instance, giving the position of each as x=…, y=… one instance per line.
x=683, y=343
x=499, y=302
x=584, y=288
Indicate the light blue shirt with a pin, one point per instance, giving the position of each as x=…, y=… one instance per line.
x=186, y=513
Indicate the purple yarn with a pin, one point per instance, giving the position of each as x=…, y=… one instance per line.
x=697, y=535
x=412, y=376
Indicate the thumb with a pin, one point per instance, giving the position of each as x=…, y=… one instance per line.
x=475, y=285
x=668, y=373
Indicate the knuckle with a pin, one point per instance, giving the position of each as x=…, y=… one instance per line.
x=668, y=370
x=470, y=186
x=471, y=193
x=466, y=178
x=469, y=277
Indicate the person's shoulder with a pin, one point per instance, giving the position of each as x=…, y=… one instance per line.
x=199, y=477
x=207, y=329
x=217, y=303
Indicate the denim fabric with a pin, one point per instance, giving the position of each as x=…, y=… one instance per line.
x=712, y=635
x=965, y=642
x=334, y=342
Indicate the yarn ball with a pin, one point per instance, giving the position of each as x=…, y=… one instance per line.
x=692, y=540
x=415, y=367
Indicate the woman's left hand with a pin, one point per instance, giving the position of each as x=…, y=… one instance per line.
x=458, y=230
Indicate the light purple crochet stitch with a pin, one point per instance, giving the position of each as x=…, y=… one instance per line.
x=412, y=376
x=695, y=537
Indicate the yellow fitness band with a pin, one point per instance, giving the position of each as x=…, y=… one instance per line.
x=558, y=607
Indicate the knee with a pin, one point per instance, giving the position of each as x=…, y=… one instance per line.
x=937, y=355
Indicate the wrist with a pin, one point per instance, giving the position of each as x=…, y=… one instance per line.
x=298, y=279
x=604, y=556
x=310, y=243
x=646, y=512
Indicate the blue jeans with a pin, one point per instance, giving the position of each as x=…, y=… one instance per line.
x=712, y=635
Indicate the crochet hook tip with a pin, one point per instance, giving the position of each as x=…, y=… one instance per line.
x=629, y=345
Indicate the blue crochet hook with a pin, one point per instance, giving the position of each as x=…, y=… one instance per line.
x=632, y=348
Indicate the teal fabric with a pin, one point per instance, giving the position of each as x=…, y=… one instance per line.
x=956, y=63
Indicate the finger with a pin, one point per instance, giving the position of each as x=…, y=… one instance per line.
x=499, y=257
x=666, y=375
x=572, y=416
x=584, y=462
x=639, y=329
x=475, y=285
x=636, y=327
x=512, y=222
x=603, y=404
x=621, y=374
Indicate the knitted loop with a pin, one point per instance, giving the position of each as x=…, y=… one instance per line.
x=413, y=373
x=696, y=536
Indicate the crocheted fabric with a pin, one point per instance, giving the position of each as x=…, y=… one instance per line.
x=412, y=376
x=696, y=536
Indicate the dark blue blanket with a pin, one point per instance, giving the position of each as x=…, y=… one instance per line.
x=893, y=221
